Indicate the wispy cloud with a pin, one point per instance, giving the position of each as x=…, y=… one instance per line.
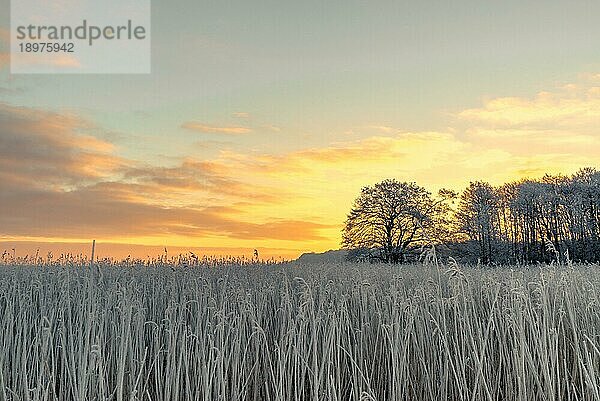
x=100, y=210
x=561, y=121
x=213, y=129
x=573, y=106
x=55, y=60
x=383, y=128
x=370, y=154
x=194, y=180
x=57, y=181
x=272, y=128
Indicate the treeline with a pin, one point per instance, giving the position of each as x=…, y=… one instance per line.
x=555, y=218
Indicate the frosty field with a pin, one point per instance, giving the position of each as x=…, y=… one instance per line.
x=299, y=332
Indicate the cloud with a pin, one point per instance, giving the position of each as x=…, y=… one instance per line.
x=212, y=144
x=562, y=121
x=241, y=114
x=58, y=60
x=199, y=127
x=383, y=128
x=272, y=128
x=60, y=182
x=571, y=107
x=96, y=211
x=194, y=180
x=43, y=149
x=369, y=154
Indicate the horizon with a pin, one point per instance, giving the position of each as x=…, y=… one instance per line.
x=260, y=123
x=121, y=251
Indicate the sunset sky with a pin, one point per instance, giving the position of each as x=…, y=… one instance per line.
x=261, y=120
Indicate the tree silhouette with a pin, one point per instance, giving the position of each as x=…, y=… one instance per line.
x=552, y=219
x=392, y=217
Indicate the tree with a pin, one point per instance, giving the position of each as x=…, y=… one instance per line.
x=391, y=217
x=478, y=218
x=554, y=218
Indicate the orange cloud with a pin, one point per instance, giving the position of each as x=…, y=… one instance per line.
x=192, y=181
x=199, y=127
x=59, y=182
x=94, y=211
x=44, y=149
x=562, y=122
x=365, y=155
x=57, y=60
x=572, y=107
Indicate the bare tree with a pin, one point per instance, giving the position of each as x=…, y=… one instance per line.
x=478, y=218
x=391, y=217
x=555, y=218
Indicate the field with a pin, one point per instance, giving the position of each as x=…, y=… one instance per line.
x=299, y=332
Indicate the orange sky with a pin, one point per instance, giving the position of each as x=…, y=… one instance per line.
x=61, y=184
x=259, y=124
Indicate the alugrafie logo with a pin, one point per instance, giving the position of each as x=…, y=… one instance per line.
x=69, y=36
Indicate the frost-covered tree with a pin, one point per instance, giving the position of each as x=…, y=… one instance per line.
x=390, y=218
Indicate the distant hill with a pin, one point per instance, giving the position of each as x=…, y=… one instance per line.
x=331, y=256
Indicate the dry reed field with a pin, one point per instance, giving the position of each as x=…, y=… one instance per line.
x=299, y=332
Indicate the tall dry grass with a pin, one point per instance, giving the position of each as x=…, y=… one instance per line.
x=287, y=332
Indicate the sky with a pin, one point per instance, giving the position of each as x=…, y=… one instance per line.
x=261, y=121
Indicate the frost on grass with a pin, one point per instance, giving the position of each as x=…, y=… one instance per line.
x=293, y=332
